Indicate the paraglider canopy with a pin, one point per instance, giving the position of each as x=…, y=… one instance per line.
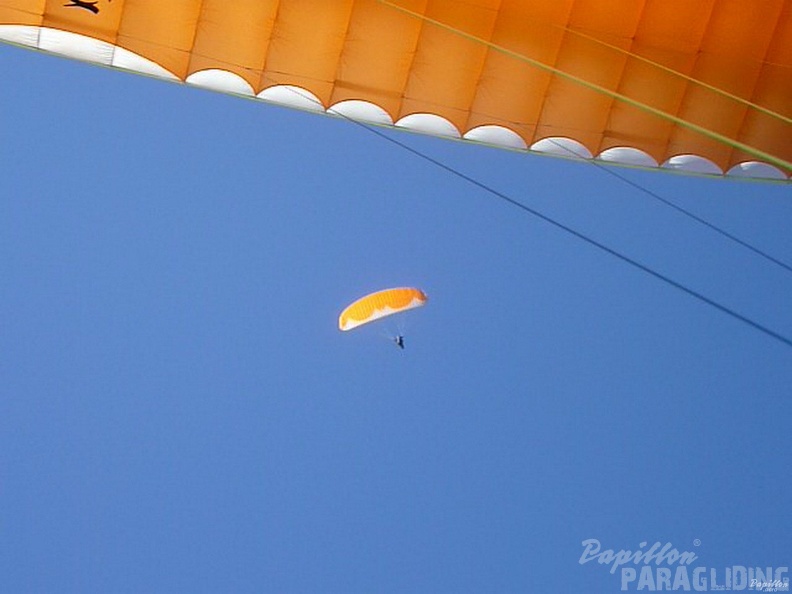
x=700, y=87
x=379, y=305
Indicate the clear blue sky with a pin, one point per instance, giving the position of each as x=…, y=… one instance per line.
x=179, y=413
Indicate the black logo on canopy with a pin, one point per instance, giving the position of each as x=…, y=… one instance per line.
x=86, y=4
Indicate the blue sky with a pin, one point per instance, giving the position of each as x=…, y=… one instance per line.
x=179, y=413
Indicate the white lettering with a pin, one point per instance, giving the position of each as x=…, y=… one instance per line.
x=739, y=577
x=714, y=580
x=663, y=578
x=628, y=577
x=647, y=578
x=592, y=544
x=681, y=579
x=699, y=583
x=592, y=551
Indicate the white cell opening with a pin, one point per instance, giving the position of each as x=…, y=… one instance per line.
x=292, y=96
x=756, y=169
x=362, y=111
x=222, y=81
x=496, y=136
x=429, y=123
x=562, y=147
x=626, y=155
x=692, y=164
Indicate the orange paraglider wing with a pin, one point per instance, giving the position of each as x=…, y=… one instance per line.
x=692, y=85
x=379, y=305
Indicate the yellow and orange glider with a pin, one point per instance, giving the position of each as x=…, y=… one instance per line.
x=379, y=305
x=696, y=85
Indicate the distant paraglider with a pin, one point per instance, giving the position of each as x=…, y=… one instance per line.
x=379, y=305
